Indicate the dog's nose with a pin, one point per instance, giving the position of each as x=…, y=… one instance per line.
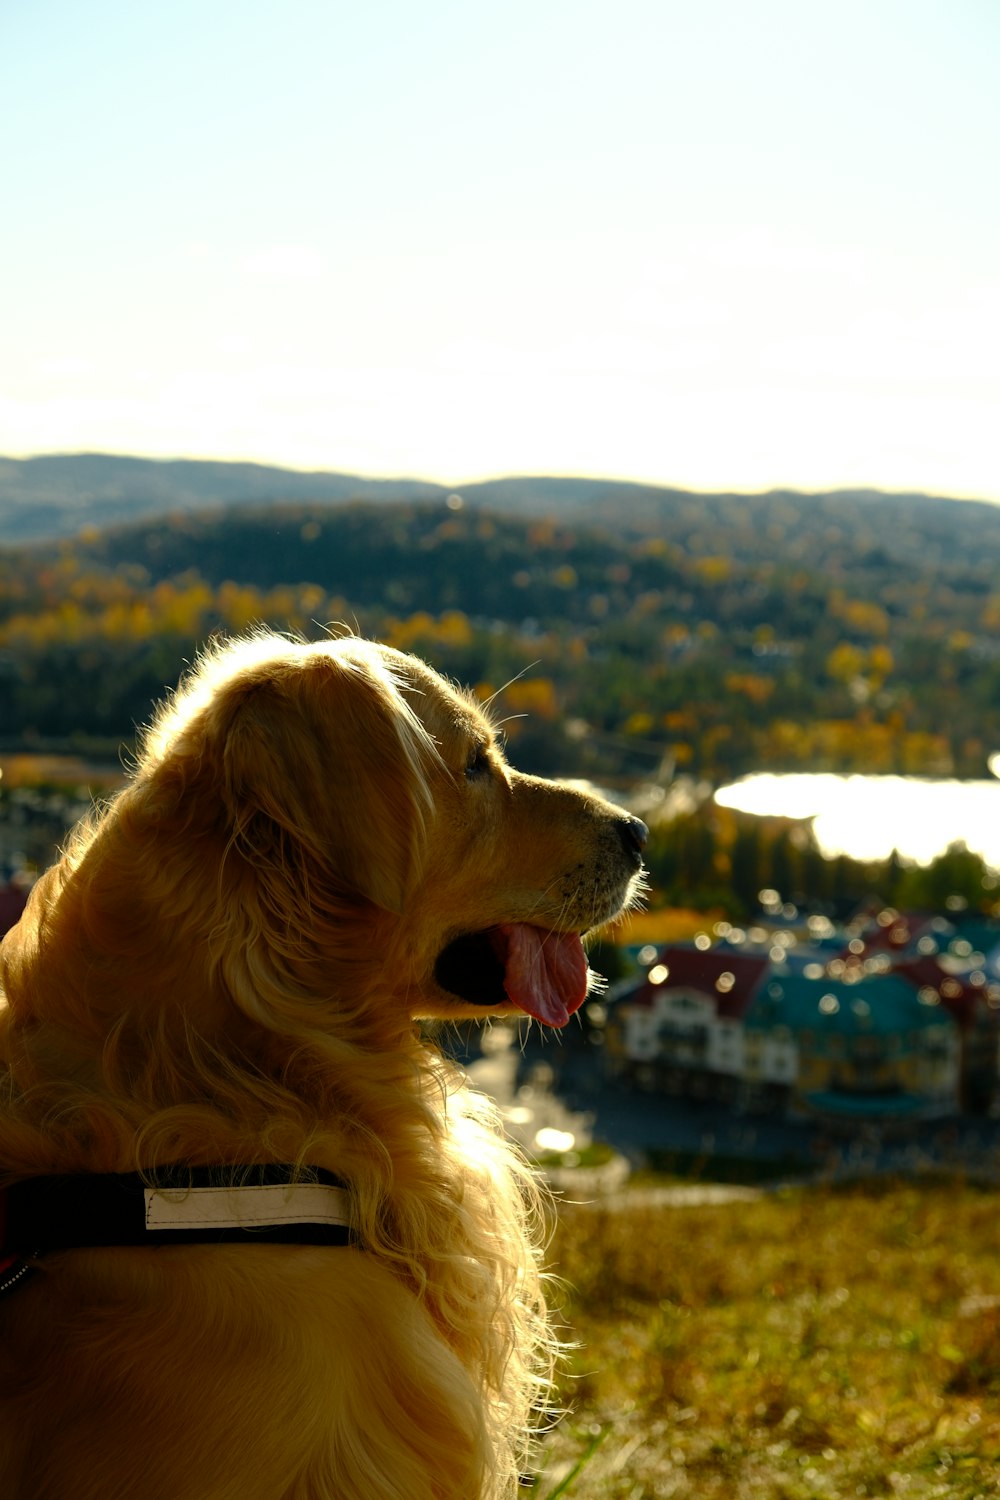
x=633, y=834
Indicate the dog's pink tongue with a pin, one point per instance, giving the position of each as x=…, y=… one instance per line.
x=545, y=973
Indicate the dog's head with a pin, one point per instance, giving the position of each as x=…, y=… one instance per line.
x=354, y=786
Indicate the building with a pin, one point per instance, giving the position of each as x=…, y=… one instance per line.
x=973, y=1002
x=681, y=1027
x=870, y=1048
x=862, y=1037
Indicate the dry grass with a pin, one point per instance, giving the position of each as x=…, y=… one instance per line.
x=820, y=1343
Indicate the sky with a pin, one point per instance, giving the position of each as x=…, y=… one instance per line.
x=720, y=245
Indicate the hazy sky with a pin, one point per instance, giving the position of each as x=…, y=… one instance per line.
x=720, y=243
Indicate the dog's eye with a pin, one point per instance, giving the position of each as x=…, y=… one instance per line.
x=478, y=763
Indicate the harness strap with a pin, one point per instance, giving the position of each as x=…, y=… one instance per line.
x=175, y=1206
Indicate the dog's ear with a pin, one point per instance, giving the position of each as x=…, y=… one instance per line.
x=325, y=776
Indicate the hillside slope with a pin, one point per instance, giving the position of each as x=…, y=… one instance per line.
x=772, y=636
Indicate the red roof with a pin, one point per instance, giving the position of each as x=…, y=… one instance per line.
x=956, y=994
x=890, y=931
x=728, y=979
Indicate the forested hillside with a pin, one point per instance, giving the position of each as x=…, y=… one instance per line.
x=712, y=635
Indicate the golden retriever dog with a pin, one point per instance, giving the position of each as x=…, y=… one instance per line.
x=262, y=1241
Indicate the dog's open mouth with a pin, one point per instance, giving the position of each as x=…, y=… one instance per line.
x=543, y=973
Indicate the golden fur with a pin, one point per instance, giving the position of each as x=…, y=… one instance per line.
x=226, y=967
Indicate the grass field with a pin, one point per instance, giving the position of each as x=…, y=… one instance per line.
x=817, y=1343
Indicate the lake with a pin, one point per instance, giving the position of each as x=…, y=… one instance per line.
x=867, y=817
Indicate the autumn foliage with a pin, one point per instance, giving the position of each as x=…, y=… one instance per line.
x=617, y=651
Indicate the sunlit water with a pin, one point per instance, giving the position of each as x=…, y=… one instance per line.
x=867, y=817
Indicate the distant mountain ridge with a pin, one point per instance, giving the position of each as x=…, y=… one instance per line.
x=57, y=495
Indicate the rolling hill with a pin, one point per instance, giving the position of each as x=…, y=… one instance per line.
x=59, y=495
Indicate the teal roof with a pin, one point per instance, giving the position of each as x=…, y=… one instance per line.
x=984, y=936
x=867, y=1106
x=879, y=1005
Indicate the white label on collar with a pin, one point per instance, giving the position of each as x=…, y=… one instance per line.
x=246, y=1207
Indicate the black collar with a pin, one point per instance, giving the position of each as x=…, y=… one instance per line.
x=175, y=1206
